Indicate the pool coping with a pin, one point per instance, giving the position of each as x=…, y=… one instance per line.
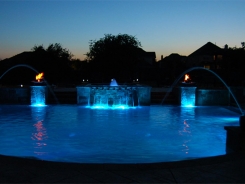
x=12, y=160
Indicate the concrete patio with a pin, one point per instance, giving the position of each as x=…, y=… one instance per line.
x=219, y=169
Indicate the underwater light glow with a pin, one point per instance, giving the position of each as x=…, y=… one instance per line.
x=188, y=105
x=71, y=133
x=99, y=106
x=229, y=119
x=38, y=105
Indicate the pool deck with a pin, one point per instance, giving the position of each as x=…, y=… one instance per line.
x=228, y=168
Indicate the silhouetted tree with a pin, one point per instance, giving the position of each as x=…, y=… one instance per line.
x=114, y=57
x=55, y=61
x=38, y=48
x=243, y=44
x=55, y=50
x=233, y=65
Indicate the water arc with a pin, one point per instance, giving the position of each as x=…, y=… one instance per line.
x=30, y=67
x=201, y=68
x=19, y=65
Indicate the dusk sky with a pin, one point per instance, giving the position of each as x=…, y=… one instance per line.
x=162, y=26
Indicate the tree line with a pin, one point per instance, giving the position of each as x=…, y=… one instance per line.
x=109, y=57
x=113, y=56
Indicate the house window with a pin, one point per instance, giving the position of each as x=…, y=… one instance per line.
x=219, y=57
x=207, y=67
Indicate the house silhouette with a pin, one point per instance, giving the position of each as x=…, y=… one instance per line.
x=208, y=56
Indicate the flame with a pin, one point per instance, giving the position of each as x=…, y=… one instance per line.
x=187, y=78
x=39, y=77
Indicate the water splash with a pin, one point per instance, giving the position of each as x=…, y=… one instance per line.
x=113, y=82
x=201, y=68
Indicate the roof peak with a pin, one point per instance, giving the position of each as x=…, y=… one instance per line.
x=209, y=48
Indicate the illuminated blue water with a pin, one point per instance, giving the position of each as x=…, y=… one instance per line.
x=70, y=133
x=38, y=95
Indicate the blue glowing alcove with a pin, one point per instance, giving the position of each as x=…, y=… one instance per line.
x=188, y=96
x=38, y=95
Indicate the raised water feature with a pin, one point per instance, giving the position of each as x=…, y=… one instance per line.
x=113, y=95
x=242, y=117
x=201, y=68
x=38, y=89
x=187, y=93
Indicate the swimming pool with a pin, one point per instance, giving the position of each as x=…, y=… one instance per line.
x=71, y=133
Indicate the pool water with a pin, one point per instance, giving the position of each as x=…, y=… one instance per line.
x=71, y=133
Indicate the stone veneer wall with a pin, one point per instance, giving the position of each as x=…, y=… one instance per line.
x=17, y=95
x=212, y=97
x=14, y=95
x=114, y=95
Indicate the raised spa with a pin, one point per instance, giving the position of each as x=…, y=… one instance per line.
x=114, y=96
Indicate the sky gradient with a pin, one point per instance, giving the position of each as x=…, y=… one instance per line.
x=162, y=26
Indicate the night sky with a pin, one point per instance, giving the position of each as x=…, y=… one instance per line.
x=163, y=26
